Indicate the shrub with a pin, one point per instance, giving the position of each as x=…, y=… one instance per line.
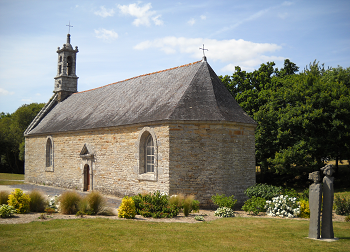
x=304, y=195
x=157, y=205
x=83, y=207
x=255, y=205
x=282, y=206
x=7, y=211
x=19, y=200
x=195, y=206
x=187, y=205
x=347, y=218
x=290, y=192
x=4, y=196
x=96, y=202
x=304, y=209
x=224, y=212
x=263, y=191
x=223, y=201
x=69, y=202
x=342, y=205
x=127, y=208
x=177, y=200
x=38, y=201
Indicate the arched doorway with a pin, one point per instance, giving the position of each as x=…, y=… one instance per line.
x=86, y=177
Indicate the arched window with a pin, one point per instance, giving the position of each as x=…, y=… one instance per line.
x=149, y=162
x=69, y=65
x=147, y=157
x=49, y=153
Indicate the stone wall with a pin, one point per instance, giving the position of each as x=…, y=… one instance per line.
x=114, y=168
x=199, y=158
x=206, y=159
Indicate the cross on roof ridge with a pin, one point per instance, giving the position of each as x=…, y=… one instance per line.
x=203, y=50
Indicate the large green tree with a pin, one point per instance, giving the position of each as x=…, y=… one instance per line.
x=12, y=127
x=303, y=118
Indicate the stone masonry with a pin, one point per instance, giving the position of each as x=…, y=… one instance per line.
x=199, y=158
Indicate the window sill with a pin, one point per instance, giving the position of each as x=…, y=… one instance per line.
x=49, y=169
x=150, y=176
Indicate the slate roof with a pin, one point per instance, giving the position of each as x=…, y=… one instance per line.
x=190, y=92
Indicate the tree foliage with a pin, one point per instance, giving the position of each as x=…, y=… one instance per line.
x=12, y=127
x=303, y=118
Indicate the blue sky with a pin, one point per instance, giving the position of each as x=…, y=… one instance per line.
x=118, y=40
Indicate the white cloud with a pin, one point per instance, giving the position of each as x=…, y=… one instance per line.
x=103, y=12
x=5, y=92
x=203, y=17
x=243, y=53
x=192, y=21
x=143, y=14
x=107, y=35
x=27, y=100
x=157, y=21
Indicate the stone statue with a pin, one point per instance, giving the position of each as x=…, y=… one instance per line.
x=315, y=199
x=328, y=197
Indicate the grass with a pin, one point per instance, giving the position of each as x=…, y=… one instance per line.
x=9, y=179
x=238, y=234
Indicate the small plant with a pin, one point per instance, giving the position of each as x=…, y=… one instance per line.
x=38, y=202
x=263, y=191
x=127, y=208
x=53, y=204
x=177, y=200
x=255, y=205
x=7, y=211
x=223, y=201
x=347, y=218
x=224, y=212
x=187, y=205
x=342, y=205
x=195, y=206
x=282, y=206
x=19, y=200
x=84, y=208
x=199, y=218
x=42, y=216
x=96, y=202
x=80, y=214
x=49, y=210
x=4, y=196
x=304, y=209
x=69, y=202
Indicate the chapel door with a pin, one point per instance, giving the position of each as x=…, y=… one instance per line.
x=86, y=177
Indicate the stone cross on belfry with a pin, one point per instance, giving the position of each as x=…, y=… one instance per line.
x=69, y=26
x=203, y=50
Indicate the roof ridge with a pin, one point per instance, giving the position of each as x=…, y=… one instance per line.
x=140, y=76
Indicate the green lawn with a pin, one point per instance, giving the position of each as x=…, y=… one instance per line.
x=232, y=234
x=8, y=179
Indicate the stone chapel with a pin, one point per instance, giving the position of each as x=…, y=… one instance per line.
x=177, y=131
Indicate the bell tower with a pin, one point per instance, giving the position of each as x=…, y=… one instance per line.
x=66, y=80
